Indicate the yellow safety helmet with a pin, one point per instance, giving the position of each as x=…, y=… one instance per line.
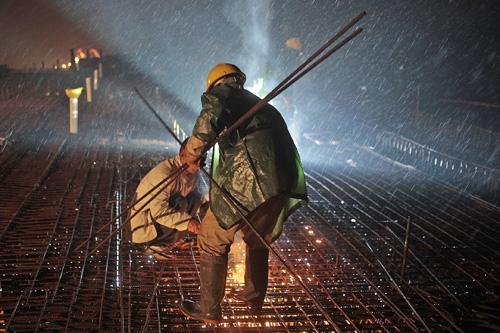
x=221, y=71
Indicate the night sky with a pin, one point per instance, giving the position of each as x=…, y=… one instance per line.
x=445, y=49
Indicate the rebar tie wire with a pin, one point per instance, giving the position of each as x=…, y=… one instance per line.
x=302, y=70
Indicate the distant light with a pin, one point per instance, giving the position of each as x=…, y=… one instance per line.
x=256, y=87
x=77, y=60
x=63, y=66
x=352, y=163
x=294, y=43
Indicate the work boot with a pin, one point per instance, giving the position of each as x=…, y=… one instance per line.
x=256, y=279
x=213, y=270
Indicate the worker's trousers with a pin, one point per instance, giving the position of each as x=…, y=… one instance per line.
x=216, y=241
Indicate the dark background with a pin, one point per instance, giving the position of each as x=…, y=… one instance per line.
x=442, y=49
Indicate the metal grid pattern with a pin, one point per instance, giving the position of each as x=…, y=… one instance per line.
x=347, y=245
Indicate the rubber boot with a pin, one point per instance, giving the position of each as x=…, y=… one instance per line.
x=256, y=279
x=213, y=271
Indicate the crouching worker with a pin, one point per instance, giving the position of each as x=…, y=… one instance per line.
x=166, y=220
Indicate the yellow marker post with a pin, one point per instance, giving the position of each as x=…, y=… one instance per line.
x=88, y=89
x=73, y=95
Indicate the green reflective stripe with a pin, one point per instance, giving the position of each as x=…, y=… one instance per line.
x=300, y=186
x=215, y=159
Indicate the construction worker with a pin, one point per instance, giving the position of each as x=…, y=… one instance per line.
x=168, y=218
x=259, y=169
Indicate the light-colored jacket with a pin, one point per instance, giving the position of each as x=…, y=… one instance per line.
x=158, y=210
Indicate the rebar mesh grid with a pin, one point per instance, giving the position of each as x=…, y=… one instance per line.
x=347, y=244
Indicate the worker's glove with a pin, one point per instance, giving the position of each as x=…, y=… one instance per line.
x=194, y=226
x=188, y=158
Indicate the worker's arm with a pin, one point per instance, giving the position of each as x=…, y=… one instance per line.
x=207, y=127
x=166, y=215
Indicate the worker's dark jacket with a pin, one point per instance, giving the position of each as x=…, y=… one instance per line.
x=254, y=163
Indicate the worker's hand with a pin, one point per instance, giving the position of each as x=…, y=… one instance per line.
x=188, y=158
x=193, y=149
x=192, y=161
x=194, y=226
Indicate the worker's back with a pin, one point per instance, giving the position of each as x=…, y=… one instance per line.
x=258, y=160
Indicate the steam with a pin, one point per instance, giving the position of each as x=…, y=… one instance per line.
x=253, y=19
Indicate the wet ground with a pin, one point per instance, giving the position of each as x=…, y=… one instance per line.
x=348, y=244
